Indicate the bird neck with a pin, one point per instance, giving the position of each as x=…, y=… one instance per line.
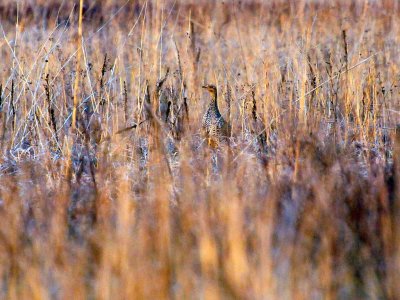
x=214, y=102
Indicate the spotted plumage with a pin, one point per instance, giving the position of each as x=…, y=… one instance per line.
x=215, y=128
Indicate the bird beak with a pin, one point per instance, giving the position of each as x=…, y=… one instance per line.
x=204, y=86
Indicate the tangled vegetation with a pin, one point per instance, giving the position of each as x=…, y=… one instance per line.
x=108, y=188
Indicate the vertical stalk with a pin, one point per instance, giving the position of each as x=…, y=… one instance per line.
x=76, y=86
x=78, y=62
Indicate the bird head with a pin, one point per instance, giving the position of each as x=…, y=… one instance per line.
x=211, y=89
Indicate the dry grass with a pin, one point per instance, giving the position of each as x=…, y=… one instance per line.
x=302, y=204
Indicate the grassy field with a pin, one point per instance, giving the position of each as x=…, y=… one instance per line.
x=108, y=189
